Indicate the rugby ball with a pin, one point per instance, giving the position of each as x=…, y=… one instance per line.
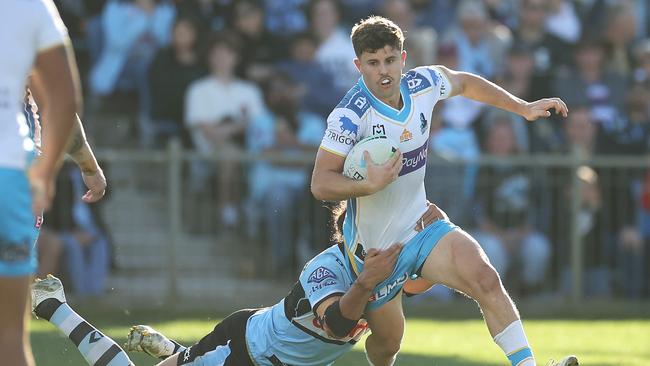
x=380, y=148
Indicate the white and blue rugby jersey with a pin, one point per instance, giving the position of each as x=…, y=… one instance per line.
x=27, y=27
x=289, y=330
x=390, y=215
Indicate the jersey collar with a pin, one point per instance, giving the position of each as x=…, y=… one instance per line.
x=386, y=110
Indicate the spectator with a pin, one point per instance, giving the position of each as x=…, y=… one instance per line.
x=171, y=72
x=454, y=139
x=620, y=30
x=504, y=217
x=78, y=226
x=317, y=91
x=355, y=10
x=628, y=134
x=480, y=45
x=284, y=18
x=441, y=14
x=276, y=188
x=218, y=109
x=421, y=43
x=334, y=52
x=563, y=21
x=549, y=52
x=262, y=48
x=591, y=84
x=212, y=15
x=133, y=32
x=580, y=131
x=594, y=236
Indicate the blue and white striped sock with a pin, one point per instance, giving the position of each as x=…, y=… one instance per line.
x=514, y=344
x=96, y=348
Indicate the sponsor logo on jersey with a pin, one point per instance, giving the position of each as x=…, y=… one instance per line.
x=405, y=136
x=384, y=291
x=348, y=127
x=322, y=285
x=414, y=159
x=378, y=130
x=342, y=139
x=423, y=123
x=320, y=274
x=414, y=83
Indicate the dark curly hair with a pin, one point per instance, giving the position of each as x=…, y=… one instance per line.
x=374, y=33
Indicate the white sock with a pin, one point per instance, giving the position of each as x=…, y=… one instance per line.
x=514, y=344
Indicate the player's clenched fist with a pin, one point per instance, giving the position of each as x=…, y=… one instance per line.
x=379, y=264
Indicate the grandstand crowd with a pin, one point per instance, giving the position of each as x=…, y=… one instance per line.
x=261, y=76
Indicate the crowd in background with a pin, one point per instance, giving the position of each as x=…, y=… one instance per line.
x=261, y=76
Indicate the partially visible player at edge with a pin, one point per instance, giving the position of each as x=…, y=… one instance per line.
x=92, y=345
x=32, y=36
x=385, y=207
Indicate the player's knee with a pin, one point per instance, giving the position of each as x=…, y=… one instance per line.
x=389, y=345
x=486, y=280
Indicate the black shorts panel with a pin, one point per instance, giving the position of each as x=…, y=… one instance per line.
x=232, y=329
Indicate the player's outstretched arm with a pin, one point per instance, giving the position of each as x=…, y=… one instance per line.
x=329, y=184
x=477, y=88
x=77, y=148
x=339, y=315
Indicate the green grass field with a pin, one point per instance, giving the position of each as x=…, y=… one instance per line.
x=457, y=342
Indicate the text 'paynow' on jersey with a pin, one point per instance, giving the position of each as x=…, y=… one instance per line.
x=388, y=216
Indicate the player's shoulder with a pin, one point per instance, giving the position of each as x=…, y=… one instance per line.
x=356, y=101
x=422, y=77
x=329, y=264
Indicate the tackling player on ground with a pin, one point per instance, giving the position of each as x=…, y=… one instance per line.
x=385, y=207
x=320, y=320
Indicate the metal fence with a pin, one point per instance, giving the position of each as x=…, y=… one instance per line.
x=179, y=234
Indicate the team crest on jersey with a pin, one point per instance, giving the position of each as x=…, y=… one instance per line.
x=423, y=123
x=320, y=274
x=347, y=126
x=405, y=136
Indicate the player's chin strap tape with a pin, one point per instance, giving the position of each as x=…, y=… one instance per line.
x=338, y=324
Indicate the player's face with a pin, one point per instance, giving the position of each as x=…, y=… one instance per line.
x=382, y=71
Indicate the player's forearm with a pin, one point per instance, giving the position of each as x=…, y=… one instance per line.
x=482, y=90
x=332, y=186
x=80, y=151
x=353, y=302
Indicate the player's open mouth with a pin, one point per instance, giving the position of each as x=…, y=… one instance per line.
x=385, y=82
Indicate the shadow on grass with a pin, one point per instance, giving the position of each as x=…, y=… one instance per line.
x=357, y=358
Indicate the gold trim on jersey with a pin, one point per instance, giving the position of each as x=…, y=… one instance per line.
x=331, y=151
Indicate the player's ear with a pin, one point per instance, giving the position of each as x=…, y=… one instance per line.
x=357, y=63
x=403, y=58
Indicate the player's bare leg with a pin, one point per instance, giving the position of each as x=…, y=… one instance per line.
x=387, y=326
x=14, y=339
x=457, y=261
